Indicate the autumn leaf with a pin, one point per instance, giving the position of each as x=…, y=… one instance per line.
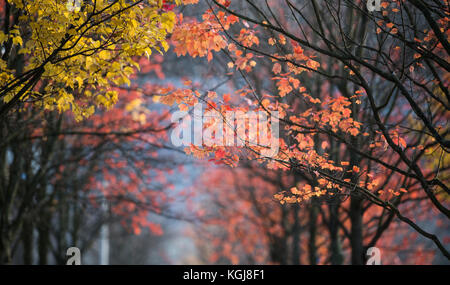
x=276, y=68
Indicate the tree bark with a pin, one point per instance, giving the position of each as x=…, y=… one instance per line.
x=335, y=245
x=27, y=241
x=312, y=248
x=296, y=236
x=356, y=235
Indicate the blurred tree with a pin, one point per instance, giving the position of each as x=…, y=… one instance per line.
x=56, y=172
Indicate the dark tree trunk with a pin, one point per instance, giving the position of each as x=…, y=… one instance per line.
x=44, y=238
x=356, y=235
x=278, y=251
x=335, y=246
x=296, y=236
x=27, y=241
x=312, y=248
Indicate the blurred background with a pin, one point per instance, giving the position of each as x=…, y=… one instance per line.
x=115, y=186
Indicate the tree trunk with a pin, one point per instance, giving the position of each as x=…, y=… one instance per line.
x=312, y=248
x=335, y=245
x=296, y=236
x=356, y=235
x=27, y=241
x=44, y=238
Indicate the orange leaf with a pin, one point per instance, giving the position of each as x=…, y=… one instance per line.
x=226, y=97
x=276, y=68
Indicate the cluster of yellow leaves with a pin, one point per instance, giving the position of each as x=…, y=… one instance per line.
x=84, y=51
x=138, y=110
